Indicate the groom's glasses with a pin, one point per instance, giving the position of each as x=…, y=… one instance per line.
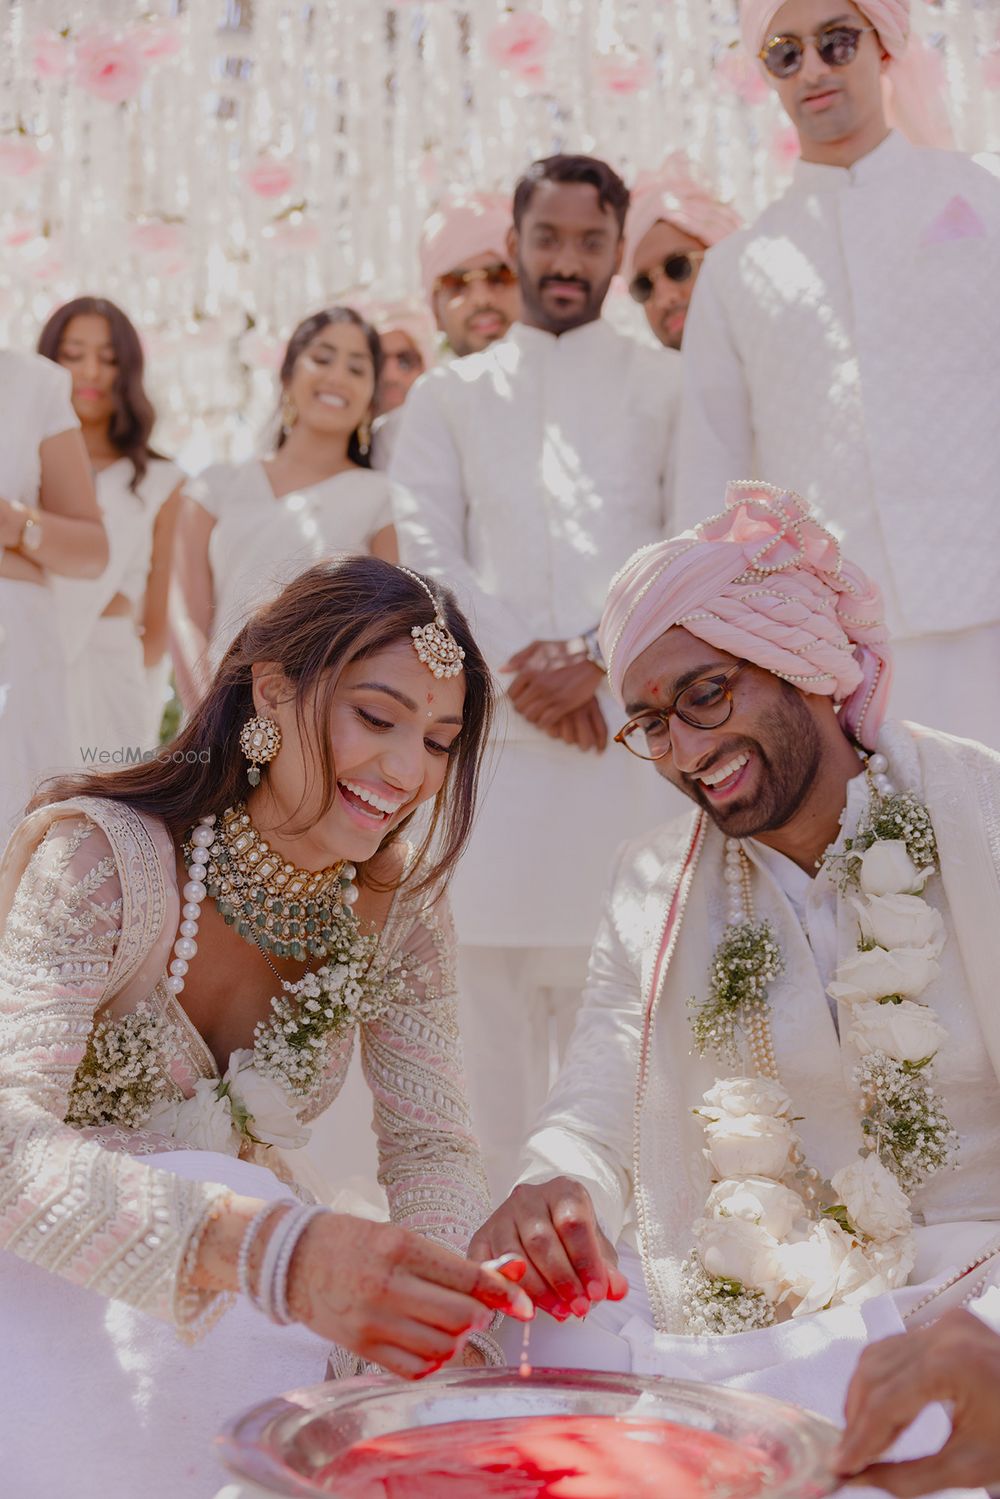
x=705, y=704
x=837, y=46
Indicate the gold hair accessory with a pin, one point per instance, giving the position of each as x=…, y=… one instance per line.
x=436, y=646
x=260, y=741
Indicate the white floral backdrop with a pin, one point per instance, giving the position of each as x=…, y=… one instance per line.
x=221, y=167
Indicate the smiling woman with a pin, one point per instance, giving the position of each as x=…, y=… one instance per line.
x=204, y=945
x=248, y=528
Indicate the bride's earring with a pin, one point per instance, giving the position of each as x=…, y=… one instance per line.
x=260, y=741
x=289, y=413
x=364, y=435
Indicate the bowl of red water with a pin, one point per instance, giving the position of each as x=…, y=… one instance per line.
x=562, y=1434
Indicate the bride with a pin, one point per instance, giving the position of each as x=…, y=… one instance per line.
x=188, y=949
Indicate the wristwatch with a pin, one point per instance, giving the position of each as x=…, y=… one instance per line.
x=30, y=538
x=592, y=649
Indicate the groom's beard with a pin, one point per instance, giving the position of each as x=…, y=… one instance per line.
x=787, y=757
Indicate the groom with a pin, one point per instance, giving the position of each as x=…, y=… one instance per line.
x=781, y=1094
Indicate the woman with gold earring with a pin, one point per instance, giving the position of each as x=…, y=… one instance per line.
x=248, y=528
x=187, y=955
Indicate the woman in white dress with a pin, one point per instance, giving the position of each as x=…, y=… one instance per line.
x=115, y=626
x=50, y=526
x=186, y=961
x=248, y=528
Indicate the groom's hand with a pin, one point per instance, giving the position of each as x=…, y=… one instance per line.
x=553, y=1228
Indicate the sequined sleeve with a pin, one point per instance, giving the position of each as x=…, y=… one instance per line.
x=429, y=1161
x=92, y=1215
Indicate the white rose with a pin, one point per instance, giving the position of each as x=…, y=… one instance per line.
x=877, y=974
x=887, y=869
x=900, y=921
x=270, y=1117
x=906, y=1032
x=895, y=1260
x=732, y=1249
x=772, y=1207
x=755, y=1145
x=205, y=1121
x=162, y=1119
x=876, y=1204
x=737, y=1096
x=824, y=1269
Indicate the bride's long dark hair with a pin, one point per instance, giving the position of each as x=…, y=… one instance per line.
x=327, y=618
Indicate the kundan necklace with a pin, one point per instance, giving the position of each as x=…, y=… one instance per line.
x=293, y=913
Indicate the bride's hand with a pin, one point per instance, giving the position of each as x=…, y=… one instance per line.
x=391, y=1296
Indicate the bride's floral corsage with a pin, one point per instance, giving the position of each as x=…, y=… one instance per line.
x=775, y=1240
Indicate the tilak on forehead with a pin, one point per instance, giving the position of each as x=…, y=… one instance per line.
x=765, y=582
x=434, y=643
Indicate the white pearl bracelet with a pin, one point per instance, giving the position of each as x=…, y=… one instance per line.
x=272, y=1289
x=250, y=1236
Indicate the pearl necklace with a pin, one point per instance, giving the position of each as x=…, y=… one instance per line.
x=204, y=837
x=757, y=1023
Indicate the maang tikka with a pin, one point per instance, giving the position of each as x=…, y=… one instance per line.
x=436, y=646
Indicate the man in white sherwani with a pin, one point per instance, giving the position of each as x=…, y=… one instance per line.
x=846, y=345
x=780, y=1103
x=525, y=475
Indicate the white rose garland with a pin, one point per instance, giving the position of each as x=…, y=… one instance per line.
x=767, y=1247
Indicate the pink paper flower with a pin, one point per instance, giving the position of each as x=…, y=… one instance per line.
x=298, y=236
x=270, y=178
x=519, y=41
x=110, y=67
x=21, y=230
x=154, y=237
x=19, y=156
x=623, y=72
x=51, y=55
x=739, y=75
x=157, y=40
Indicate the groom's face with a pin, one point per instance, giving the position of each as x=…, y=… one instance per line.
x=753, y=773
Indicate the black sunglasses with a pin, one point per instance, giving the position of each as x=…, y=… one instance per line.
x=837, y=46
x=677, y=268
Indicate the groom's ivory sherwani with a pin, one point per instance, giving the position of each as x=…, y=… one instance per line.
x=845, y=346
x=620, y=1116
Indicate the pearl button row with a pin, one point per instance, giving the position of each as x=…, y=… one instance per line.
x=195, y=891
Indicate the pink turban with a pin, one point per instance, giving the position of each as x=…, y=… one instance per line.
x=460, y=228
x=891, y=19
x=914, y=97
x=763, y=581
x=409, y=316
x=672, y=194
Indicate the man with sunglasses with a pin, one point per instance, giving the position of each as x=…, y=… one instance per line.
x=470, y=284
x=681, y=1165
x=672, y=221
x=846, y=343
x=523, y=475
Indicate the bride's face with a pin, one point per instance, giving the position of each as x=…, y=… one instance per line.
x=393, y=728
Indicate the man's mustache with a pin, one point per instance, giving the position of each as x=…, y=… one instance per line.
x=565, y=281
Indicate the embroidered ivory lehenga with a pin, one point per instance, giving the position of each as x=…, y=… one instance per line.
x=102, y=1395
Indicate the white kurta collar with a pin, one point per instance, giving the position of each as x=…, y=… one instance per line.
x=891, y=154
x=587, y=338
